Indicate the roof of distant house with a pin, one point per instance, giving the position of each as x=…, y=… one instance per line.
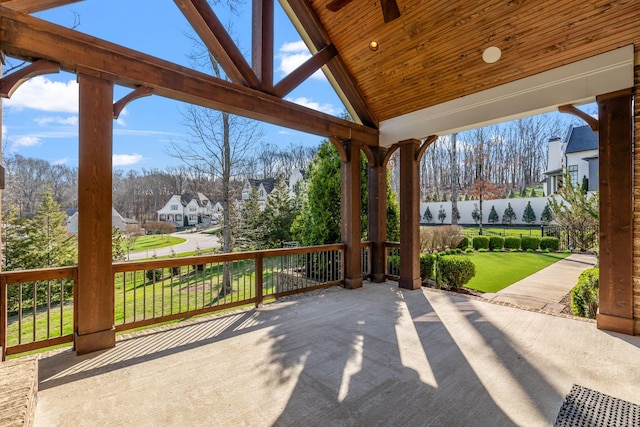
x=267, y=183
x=198, y=197
x=581, y=138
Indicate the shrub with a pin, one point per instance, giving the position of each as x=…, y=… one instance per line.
x=175, y=271
x=464, y=243
x=551, y=243
x=480, y=242
x=529, y=242
x=483, y=250
x=393, y=265
x=496, y=243
x=469, y=250
x=512, y=243
x=454, y=272
x=584, y=295
x=427, y=261
x=154, y=274
x=530, y=250
x=440, y=237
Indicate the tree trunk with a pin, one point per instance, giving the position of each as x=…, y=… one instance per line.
x=454, y=181
x=226, y=205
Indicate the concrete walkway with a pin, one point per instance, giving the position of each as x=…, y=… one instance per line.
x=545, y=289
x=377, y=356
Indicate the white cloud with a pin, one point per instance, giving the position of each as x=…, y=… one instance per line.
x=126, y=159
x=23, y=141
x=4, y=131
x=62, y=161
x=120, y=119
x=40, y=93
x=292, y=55
x=70, y=120
x=324, y=108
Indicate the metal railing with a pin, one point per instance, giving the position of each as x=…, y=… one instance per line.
x=392, y=260
x=365, y=259
x=37, y=306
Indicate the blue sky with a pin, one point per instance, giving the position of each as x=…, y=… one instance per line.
x=41, y=118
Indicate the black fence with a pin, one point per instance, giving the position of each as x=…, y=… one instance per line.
x=572, y=238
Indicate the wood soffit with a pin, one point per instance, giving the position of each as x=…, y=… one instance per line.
x=429, y=55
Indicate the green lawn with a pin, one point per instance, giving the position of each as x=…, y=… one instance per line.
x=155, y=241
x=497, y=270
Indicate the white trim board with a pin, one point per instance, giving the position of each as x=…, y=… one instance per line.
x=576, y=83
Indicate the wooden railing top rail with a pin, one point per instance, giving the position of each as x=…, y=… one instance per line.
x=52, y=273
x=392, y=244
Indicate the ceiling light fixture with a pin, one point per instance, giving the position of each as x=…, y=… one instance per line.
x=373, y=45
x=491, y=54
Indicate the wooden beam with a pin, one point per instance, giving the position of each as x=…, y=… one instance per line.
x=33, y=6
x=213, y=34
x=615, y=311
x=350, y=216
x=427, y=142
x=11, y=82
x=409, y=215
x=30, y=38
x=304, y=71
x=138, y=92
x=262, y=42
x=310, y=24
x=377, y=212
x=590, y=120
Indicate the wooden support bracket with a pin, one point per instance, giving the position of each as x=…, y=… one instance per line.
x=339, y=144
x=427, y=142
x=11, y=82
x=139, y=92
x=593, y=123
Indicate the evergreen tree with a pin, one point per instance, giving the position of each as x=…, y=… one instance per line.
x=15, y=250
x=509, y=215
x=278, y=216
x=475, y=214
x=427, y=216
x=442, y=215
x=251, y=234
x=493, y=215
x=528, y=216
x=585, y=184
x=533, y=192
x=117, y=245
x=522, y=192
x=546, y=217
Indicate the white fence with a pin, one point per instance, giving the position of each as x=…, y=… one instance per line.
x=466, y=208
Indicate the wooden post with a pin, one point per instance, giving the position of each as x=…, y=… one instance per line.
x=95, y=293
x=378, y=213
x=350, y=216
x=409, y=215
x=616, y=212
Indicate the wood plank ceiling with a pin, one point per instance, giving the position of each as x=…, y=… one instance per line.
x=433, y=52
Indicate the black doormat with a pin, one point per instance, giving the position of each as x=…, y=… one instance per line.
x=585, y=407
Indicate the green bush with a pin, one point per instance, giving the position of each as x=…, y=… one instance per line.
x=464, y=243
x=469, y=250
x=496, y=243
x=483, y=250
x=454, y=272
x=530, y=250
x=480, y=242
x=427, y=262
x=551, y=243
x=512, y=243
x=529, y=242
x=584, y=295
x=154, y=275
x=393, y=264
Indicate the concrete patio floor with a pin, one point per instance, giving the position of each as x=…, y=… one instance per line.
x=373, y=356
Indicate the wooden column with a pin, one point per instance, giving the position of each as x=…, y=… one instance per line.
x=350, y=216
x=616, y=214
x=95, y=293
x=409, y=215
x=378, y=213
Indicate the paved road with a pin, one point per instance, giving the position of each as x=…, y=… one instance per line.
x=194, y=241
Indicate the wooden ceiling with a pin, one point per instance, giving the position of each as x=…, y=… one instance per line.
x=433, y=52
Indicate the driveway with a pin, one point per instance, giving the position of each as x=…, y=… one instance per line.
x=194, y=242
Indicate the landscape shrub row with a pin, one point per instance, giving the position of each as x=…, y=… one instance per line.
x=584, y=295
x=526, y=243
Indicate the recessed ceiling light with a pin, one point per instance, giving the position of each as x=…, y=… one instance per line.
x=491, y=54
x=373, y=45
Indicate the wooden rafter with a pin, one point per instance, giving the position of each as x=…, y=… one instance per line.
x=591, y=121
x=138, y=92
x=262, y=42
x=215, y=37
x=319, y=39
x=30, y=38
x=33, y=6
x=304, y=71
x=11, y=82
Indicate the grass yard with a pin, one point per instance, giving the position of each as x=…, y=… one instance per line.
x=155, y=241
x=497, y=270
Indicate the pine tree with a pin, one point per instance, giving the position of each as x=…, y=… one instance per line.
x=250, y=235
x=442, y=215
x=427, y=216
x=475, y=214
x=529, y=216
x=533, y=192
x=585, y=184
x=15, y=250
x=278, y=215
x=522, y=192
x=509, y=215
x=493, y=215
x=546, y=217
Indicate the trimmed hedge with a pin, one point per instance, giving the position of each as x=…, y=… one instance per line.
x=464, y=243
x=496, y=243
x=530, y=243
x=427, y=262
x=584, y=295
x=454, y=271
x=512, y=242
x=480, y=242
x=551, y=243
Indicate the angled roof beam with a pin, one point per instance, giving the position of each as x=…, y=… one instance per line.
x=262, y=42
x=313, y=32
x=304, y=71
x=217, y=40
x=26, y=37
x=33, y=6
x=11, y=82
